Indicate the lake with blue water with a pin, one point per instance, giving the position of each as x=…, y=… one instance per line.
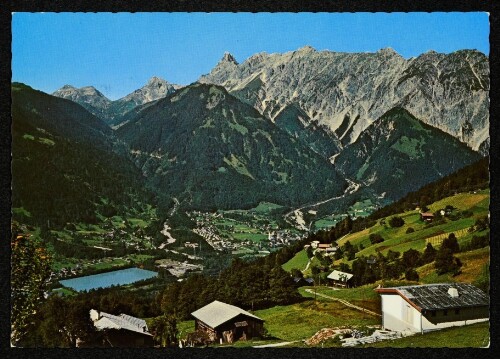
x=105, y=280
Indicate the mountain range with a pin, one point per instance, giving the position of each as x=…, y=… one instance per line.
x=211, y=149
x=346, y=92
x=111, y=111
x=303, y=127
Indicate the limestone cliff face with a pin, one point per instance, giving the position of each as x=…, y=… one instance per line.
x=346, y=92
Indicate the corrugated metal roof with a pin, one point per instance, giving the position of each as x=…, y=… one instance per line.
x=341, y=276
x=141, y=323
x=217, y=313
x=436, y=296
x=124, y=321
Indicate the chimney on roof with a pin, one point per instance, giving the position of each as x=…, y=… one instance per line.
x=453, y=292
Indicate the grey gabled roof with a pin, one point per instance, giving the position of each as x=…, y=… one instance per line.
x=436, y=296
x=217, y=313
x=123, y=321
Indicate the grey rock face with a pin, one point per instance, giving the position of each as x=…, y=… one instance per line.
x=90, y=98
x=348, y=91
x=155, y=89
x=112, y=111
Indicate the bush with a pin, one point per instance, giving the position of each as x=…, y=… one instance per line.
x=411, y=274
x=481, y=224
x=476, y=243
x=376, y=238
x=451, y=243
x=410, y=230
x=396, y=221
x=429, y=254
x=446, y=262
x=411, y=258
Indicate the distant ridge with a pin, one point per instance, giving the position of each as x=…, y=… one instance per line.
x=111, y=111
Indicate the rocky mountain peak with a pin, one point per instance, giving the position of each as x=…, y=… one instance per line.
x=388, y=51
x=354, y=89
x=228, y=57
x=91, y=91
x=306, y=49
x=157, y=81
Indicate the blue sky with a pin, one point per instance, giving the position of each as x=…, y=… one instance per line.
x=118, y=53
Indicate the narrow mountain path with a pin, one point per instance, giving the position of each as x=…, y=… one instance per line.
x=307, y=265
x=345, y=302
x=275, y=344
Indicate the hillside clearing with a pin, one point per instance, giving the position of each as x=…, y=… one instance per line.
x=299, y=261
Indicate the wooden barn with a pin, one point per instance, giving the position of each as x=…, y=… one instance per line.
x=422, y=308
x=426, y=216
x=227, y=323
x=340, y=279
x=118, y=331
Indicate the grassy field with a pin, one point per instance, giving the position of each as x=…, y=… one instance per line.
x=473, y=264
x=302, y=320
x=325, y=223
x=363, y=296
x=184, y=328
x=397, y=239
x=64, y=291
x=266, y=207
x=474, y=335
x=299, y=261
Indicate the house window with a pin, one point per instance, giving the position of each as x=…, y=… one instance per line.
x=457, y=311
x=445, y=312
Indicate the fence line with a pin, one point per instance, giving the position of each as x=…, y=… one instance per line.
x=437, y=240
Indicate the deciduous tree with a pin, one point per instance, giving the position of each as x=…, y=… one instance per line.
x=30, y=270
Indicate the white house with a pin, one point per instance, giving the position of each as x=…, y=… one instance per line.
x=314, y=244
x=422, y=308
x=338, y=278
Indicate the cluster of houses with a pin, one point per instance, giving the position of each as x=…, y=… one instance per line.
x=176, y=268
x=406, y=309
x=206, y=229
x=282, y=238
x=211, y=236
x=327, y=249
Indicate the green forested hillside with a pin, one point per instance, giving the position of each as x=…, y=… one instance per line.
x=293, y=120
x=64, y=169
x=211, y=150
x=398, y=154
x=397, y=240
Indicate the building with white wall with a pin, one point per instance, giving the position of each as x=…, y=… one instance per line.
x=422, y=308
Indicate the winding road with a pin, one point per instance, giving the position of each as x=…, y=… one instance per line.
x=352, y=188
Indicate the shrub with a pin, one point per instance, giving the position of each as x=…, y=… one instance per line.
x=396, y=221
x=446, y=262
x=411, y=258
x=410, y=230
x=451, y=243
x=476, y=243
x=376, y=238
x=429, y=254
x=411, y=274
